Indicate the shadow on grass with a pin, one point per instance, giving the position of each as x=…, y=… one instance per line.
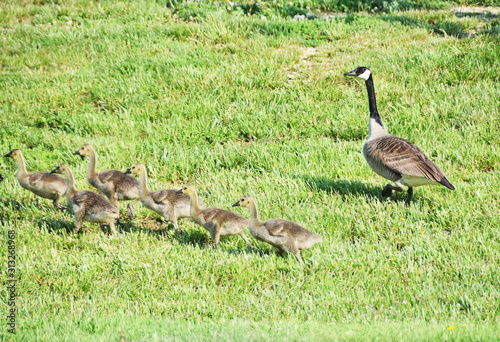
x=444, y=27
x=341, y=187
x=349, y=188
x=56, y=226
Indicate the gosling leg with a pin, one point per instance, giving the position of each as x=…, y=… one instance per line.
x=79, y=221
x=59, y=205
x=130, y=210
x=244, y=237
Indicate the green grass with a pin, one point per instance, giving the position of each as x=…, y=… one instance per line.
x=240, y=104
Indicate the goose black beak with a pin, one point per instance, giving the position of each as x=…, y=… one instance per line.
x=237, y=204
x=350, y=73
x=128, y=172
x=8, y=155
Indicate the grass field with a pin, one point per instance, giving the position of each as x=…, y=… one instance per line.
x=239, y=104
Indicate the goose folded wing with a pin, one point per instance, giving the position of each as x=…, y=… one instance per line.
x=405, y=158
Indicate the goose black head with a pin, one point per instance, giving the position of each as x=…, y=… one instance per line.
x=361, y=72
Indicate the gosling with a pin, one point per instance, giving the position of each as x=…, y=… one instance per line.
x=42, y=184
x=87, y=205
x=218, y=222
x=114, y=184
x=167, y=203
x=285, y=235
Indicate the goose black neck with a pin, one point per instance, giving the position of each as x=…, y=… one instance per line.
x=372, y=100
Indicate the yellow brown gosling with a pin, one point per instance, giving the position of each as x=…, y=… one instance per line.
x=393, y=158
x=218, y=222
x=43, y=184
x=87, y=205
x=114, y=184
x=285, y=235
x=167, y=203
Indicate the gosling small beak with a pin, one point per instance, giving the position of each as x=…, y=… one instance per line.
x=180, y=191
x=77, y=153
x=237, y=204
x=54, y=171
x=8, y=155
x=128, y=172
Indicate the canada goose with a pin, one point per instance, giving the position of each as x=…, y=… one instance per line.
x=285, y=235
x=114, y=184
x=218, y=222
x=168, y=203
x=395, y=158
x=87, y=205
x=43, y=184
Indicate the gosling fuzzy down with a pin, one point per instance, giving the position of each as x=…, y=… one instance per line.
x=114, y=184
x=43, y=184
x=218, y=222
x=393, y=158
x=167, y=203
x=287, y=236
x=87, y=205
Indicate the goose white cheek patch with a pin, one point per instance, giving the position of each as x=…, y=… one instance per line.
x=365, y=75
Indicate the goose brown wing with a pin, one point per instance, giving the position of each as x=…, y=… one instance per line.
x=405, y=158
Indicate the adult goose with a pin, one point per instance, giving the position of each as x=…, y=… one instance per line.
x=393, y=158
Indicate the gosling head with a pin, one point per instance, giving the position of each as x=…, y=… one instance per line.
x=13, y=154
x=187, y=189
x=244, y=201
x=361, y=72
x=135, y=169
x=61, y=169
x=84, y=151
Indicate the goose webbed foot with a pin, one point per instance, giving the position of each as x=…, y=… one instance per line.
x=388, y=190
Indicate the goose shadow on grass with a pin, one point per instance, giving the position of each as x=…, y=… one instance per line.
x=342, y=187
x=348, y=188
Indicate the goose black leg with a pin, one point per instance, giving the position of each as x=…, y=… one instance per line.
x=389, y=188
x=410, y=196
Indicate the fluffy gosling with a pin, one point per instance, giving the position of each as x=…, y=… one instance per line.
x=285, y=235
x=114, y=184
x=218, y=222
x=42, y=184
x=87, y=205
x=167, y=203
